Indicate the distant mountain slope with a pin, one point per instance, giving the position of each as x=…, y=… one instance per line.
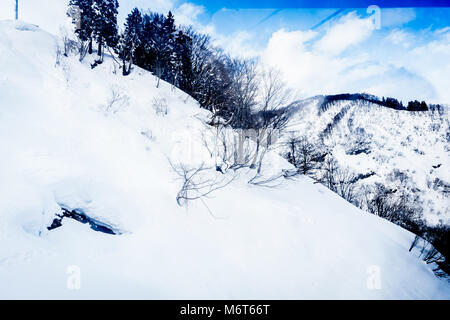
x=95, y=142
x=398, y=148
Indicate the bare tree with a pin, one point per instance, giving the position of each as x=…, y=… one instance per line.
x=69, y=45
x=274, y=92
x=244, y=91
x=273, y=113
x=345, y=184
x=329, y=171
x=209, y=80
x=291, y=154
x=306, y=155
x=160, y=106
x=117, y=100
x=197, y=182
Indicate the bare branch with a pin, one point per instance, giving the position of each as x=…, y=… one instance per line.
x=195, y=183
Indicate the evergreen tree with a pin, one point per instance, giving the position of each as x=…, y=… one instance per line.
x=84, y=20
x=131, y=39
x=168, y=48
x=157, y=46
x=144, y=55
x=105, y=28
x=181, y=61
x=417, y=106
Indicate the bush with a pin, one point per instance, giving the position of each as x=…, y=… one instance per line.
x=160, y=106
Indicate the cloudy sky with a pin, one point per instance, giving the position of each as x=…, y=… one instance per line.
x=398, y=52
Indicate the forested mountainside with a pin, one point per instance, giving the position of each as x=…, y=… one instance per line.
x=386, y=160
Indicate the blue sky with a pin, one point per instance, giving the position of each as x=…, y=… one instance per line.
x=319, y=48
x=338, y=49
x=214, y=5
x=333, y=50
x=263, y=22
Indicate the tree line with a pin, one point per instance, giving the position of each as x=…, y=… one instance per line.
x=228, y=87
x=385, y=102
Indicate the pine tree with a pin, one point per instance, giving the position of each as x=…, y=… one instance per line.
x=131, y=39
x=168, y=48
x=157, y=46
x=105, y=29
x=142, y=54
x=182, y=62
x=84, y=20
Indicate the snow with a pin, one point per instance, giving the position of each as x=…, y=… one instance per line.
x=61, y=148
x=411, y=142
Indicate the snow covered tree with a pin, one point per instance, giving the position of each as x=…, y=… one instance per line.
x=306, y=156
x=329, y=172
x=182, y=63
x=105, y=29
x=156, y=47
x=83, y=20
x=130, y=39
x=168, y=48
x=144, y=55
x=303, y=154
x=417, y=106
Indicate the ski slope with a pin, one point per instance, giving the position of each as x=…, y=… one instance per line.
x=62, y=147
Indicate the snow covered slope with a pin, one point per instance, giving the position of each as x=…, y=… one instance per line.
x=90, y=139
x=397, y=148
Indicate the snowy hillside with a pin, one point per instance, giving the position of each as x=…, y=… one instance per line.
x=400, y=149
x=91, y=140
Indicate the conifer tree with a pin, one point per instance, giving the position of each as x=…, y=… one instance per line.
x=182, y=63
x=83, y=20
x=105, y=24
x=131, y=39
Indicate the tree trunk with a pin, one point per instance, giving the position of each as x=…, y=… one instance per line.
x=99, y=52
x=129, y=65
x=124, y=67
x=90, y=46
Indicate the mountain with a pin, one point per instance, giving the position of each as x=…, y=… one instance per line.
x=111, y=151
x=407, y=151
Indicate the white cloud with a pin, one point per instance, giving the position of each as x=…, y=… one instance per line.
x=400, y=37
x=349, y=31
x=351, y=57
x=187, y=14
x=239, y=44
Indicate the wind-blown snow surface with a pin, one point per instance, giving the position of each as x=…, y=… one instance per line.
x=59, y=147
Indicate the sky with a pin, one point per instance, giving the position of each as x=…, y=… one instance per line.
x=320, y=47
